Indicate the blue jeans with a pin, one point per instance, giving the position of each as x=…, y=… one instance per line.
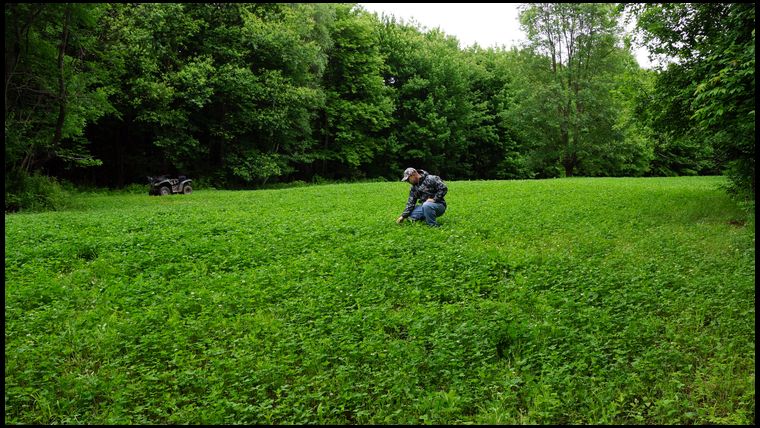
x=429, y=211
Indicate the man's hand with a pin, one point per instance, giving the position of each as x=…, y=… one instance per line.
x=400, y=219
x=430, y=200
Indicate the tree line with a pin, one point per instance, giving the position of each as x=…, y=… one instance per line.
x=241, y=95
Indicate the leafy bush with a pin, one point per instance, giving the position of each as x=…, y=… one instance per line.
x=34, y=193
x=135, y=189
x=203, y=183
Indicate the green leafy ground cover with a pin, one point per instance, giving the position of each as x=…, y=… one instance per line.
x=604, y=300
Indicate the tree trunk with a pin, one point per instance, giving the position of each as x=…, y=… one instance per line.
x=61, y=80
x=12, y=60
x=326, y=134
x=569, y=161
x=120, y=155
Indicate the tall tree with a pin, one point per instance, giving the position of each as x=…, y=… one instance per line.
x=54, y=85
x=431, y=85
x=280, y=67
x=572, y=75
x=494, y=149
x=358, y=106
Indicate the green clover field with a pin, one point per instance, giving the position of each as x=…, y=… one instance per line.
x=559, y=301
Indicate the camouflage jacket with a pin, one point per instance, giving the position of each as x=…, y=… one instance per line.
x=429, y=186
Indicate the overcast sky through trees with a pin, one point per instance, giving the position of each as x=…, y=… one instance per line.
x=487, y=24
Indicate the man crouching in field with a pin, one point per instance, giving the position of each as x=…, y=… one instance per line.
x=428, y=189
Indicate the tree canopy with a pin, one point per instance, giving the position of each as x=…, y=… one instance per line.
x=244, y=94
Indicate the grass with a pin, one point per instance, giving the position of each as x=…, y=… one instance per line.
x=567, y=301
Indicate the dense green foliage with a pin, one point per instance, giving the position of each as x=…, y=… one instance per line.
x=35, y=192
x=241, y=95
x=576, y=72
x=704, y=103
x=570, y=301
x=55, y=83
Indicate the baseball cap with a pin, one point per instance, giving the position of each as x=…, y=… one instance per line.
x=407, y=173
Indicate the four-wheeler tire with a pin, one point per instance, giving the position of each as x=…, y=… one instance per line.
x=164, y=191
x=187, y=189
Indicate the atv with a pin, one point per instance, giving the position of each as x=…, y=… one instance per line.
x=163, y=185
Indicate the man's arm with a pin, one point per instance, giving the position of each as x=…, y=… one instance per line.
x=441, y=191
x=410, y=203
